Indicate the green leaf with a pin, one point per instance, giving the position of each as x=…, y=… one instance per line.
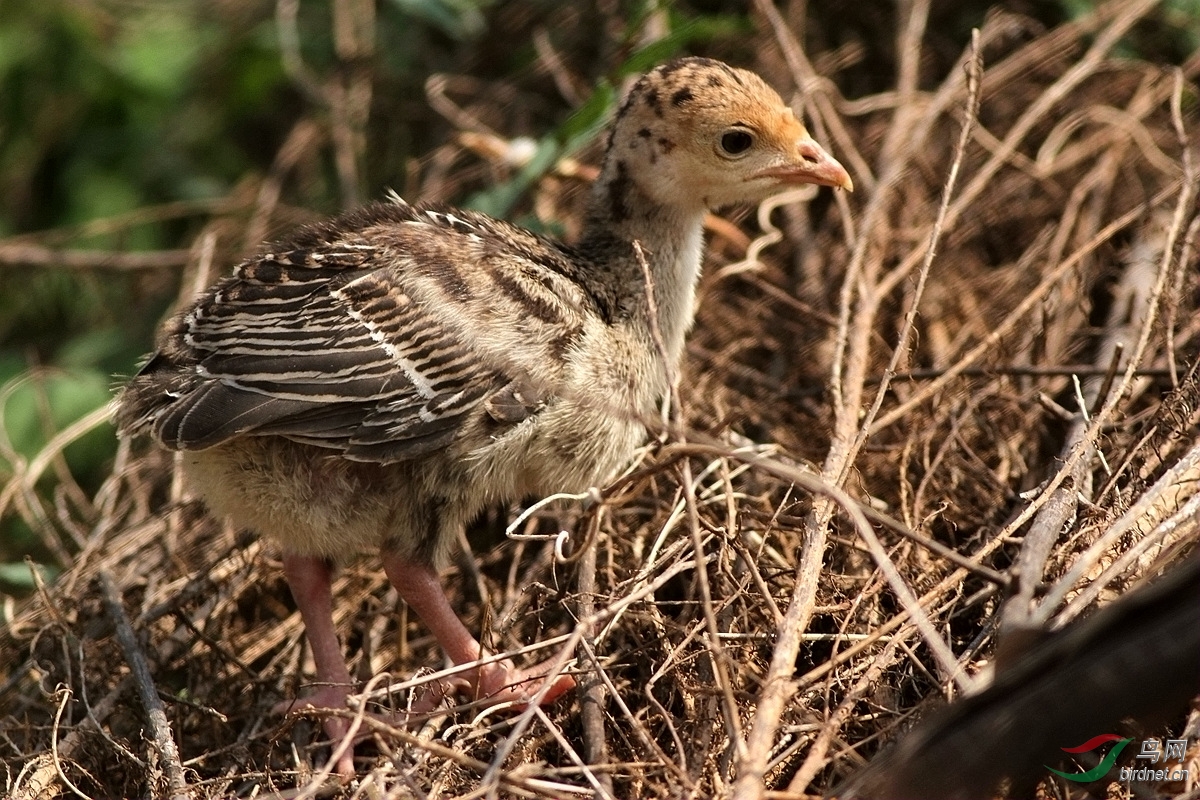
x=578, y=130
x=588, y=120
x=68, y=396
x=18, y=576
x=684, y=32
x=97, y=346
x=18, y=43
x=458, y=19
x=100, y=192
x=158, y=50
x=499, y=200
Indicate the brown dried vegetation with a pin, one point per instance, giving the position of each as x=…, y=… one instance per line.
x=1025, y=396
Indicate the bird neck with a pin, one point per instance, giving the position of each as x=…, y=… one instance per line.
x=620, y=214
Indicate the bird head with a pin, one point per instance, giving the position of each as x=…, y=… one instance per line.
x=698, y=132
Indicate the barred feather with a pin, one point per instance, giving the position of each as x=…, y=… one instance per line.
x=356, y=347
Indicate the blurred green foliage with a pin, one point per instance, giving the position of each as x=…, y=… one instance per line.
x=107, y=108
x=1172, y=36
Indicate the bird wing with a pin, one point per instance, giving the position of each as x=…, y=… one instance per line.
x=355, y=340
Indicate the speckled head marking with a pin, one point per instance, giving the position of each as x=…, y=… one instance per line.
x=699, y=133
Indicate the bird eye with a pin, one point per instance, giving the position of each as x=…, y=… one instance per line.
x=736, y=141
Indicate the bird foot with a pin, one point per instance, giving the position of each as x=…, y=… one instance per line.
x=498, y=682
x=336, y=726
x=502, y=682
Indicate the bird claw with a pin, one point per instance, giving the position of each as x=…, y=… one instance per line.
x=497, y=683
x=337, y=727
x=502, y=682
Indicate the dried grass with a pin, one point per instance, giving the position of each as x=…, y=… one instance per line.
x=990, y=347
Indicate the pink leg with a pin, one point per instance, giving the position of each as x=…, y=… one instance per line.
x=420, y=587
x=309, y=579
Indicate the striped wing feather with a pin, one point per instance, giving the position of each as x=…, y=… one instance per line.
x=323, y=344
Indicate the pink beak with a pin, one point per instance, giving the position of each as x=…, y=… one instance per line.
x=811, y=165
